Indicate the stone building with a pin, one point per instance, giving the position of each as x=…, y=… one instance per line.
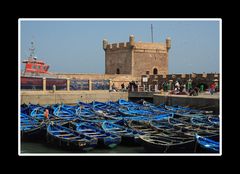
x=136, y=58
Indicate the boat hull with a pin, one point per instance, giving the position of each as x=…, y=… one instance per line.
x=185, y=147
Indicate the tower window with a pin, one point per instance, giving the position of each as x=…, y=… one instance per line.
x=147, y=72
x=118, y=71
x=155, y=71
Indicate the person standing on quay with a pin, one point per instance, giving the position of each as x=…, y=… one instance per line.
x=201, y=88
x=212, y=88
x=46, y=114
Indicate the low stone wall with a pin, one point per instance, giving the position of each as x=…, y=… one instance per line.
x=71, y=97
x=117, y=79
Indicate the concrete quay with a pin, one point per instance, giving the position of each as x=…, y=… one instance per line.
x=69, y=97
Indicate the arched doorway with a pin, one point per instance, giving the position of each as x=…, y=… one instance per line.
x=155, y=71
x=118, y=71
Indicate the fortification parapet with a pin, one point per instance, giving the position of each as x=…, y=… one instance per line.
x=115, y=46
x=131, y=40
x=168, y=43
x=105, y=43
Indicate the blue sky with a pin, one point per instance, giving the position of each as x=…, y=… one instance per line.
x=76, y=46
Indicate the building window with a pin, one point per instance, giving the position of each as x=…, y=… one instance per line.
x=118, y=71
x=155, y=71
x=147, y=72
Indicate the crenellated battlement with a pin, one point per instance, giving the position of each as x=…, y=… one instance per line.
x=158, y=47
x=115, y=46
x=138, y=45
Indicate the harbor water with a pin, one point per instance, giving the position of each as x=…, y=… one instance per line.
x=41, y=144
x=43, y=147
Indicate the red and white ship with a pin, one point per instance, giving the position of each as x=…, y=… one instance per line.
x=35, y=67
x=35, y=70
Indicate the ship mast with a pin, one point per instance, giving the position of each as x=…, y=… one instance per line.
x=152, y=32
x=32, y=51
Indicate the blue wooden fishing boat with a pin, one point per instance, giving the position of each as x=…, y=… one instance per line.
x=33, y=106
x=191, y=129
x=54, y=106
x=155, y=140
x=159, y=143
x=84, y=105
x=164, y=126
x=141, y=126
x=186, y=110
x=88, y=112
x=128, y=104
x=135, y=112
x=70, y=139
x=176, y=109
x=136, y=118
x=84, y=112
x=38, y=113
x=110, y=109
x=128, y=135
x=180, y=109
x=70, y=108
x=25, y=109
x=214, y=119
x=64, y=113
x=207, y=144
x=113, y=104
x=105, y=113
x=147, y=118
x=92, y=115
x=154, y=108
x=106, y=139
x=30, y=127
x=204, y=122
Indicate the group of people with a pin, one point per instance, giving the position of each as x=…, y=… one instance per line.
x=181, y=88
x=132, y=85
x=178, y=88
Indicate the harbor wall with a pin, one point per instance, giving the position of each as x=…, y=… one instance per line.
x=49, y=97
x=199, y=102
x=141, y=94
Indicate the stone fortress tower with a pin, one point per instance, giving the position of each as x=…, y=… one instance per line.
x=136, y=58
